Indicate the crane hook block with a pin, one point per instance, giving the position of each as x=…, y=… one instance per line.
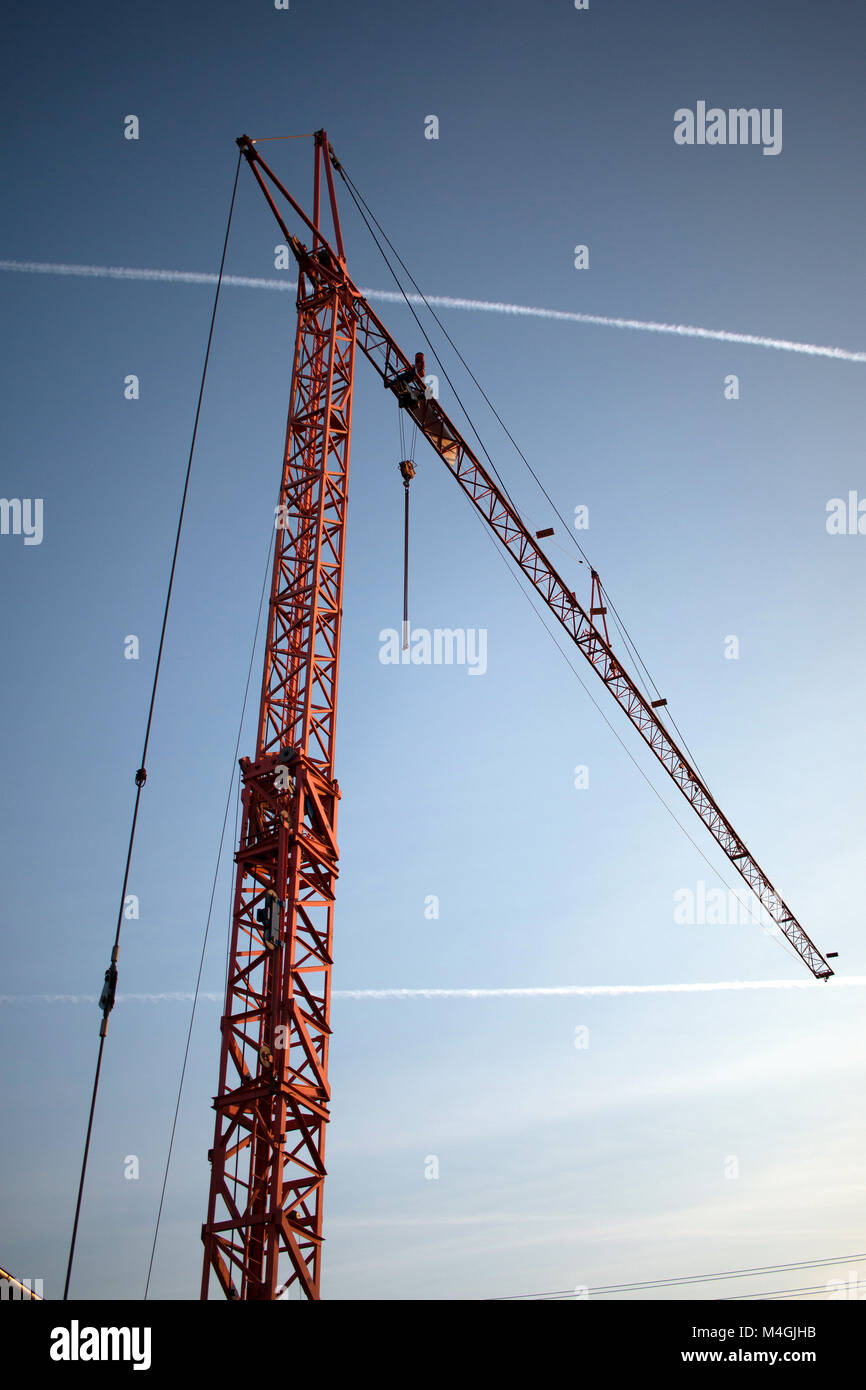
x=406, y=387
x=407, y=471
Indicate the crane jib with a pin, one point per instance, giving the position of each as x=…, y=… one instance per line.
x=503, y=519
x=399, y=374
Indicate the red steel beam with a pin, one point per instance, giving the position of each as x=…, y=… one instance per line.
x=263, y=1231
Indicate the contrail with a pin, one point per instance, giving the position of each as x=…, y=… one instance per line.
x=545, y=991
x=528, y=992
x=481, y=306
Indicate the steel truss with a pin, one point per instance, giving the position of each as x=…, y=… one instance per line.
x=263, y=1232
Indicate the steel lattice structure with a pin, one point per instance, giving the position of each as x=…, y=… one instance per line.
x=264, y=1227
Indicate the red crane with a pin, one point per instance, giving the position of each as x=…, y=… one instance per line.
x=263, y=1232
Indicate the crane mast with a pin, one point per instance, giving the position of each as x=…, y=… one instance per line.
x=264, y=1224
x=263, y=1232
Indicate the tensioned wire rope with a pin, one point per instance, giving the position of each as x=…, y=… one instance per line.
x=219, y=855
x=141, y=774
x=681, y=1281
x=366, y=212
x=369, y=217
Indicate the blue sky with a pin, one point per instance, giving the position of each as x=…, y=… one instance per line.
x=558, y=1166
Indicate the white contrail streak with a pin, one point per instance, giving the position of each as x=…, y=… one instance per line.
x=530, y=992
x=481, y=306
x=547, y=991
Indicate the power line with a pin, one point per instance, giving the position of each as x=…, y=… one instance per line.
x=747, y=1272
x=776, y=1294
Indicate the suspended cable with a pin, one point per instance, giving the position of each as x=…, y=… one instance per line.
x=748, y=1272
x=353, y=190
x=107, y=997
x=773, y=1295
x=359, y=200
x=407, y=473
x=781, y=939
x=783, y=942
x=406, y=566
x=231, y=899
x=424, y=333
x=628, y=640
x=209, y=914
x=361, y=205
